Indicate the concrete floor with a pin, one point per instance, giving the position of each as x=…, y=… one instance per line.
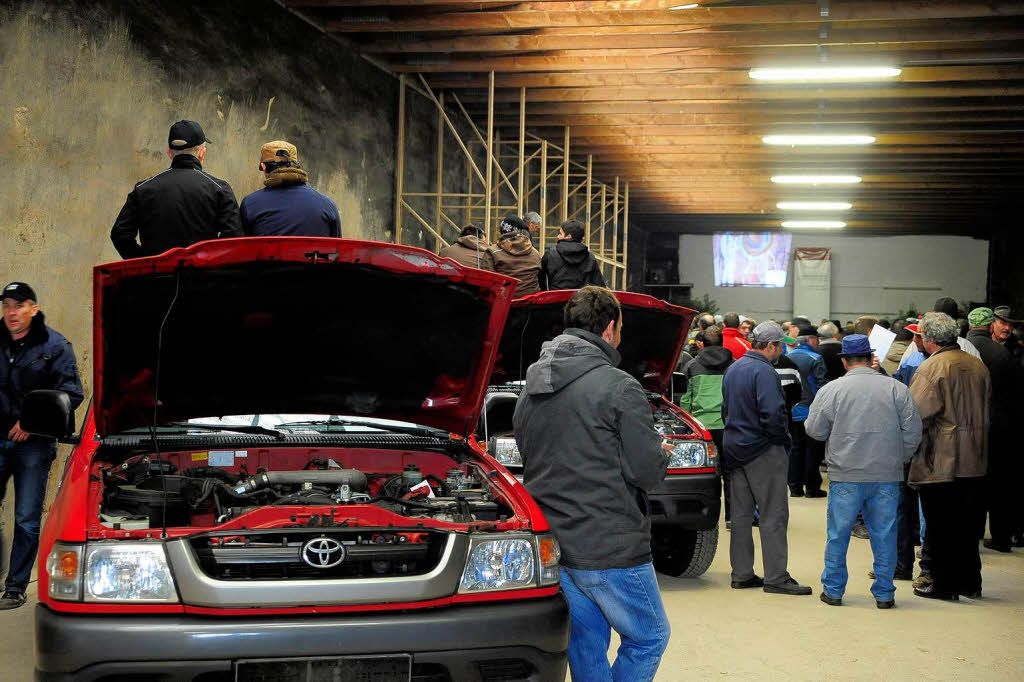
x=750, y=635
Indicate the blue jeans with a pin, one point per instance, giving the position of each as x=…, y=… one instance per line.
x=29, y=464
x=879, y=503
x=627, y=599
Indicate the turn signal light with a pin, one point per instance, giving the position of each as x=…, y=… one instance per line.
x=67, y=564
x=548, y=552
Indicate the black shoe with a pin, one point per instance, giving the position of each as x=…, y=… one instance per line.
x=931, y=593
x=975, y=594
x=796, y=492
x=756, y=581
x=789, y=587
x=896, y=576
x=991, y=544
x=860, y=531
x=816, y=493
x=12, y=600
x=886, y=604
x=831, y=601
x=1018, y=541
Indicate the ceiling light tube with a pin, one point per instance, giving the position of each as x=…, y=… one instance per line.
x=814, y=205
x=814, y=224
x=818, y=140
x=823, y=73
x=816, y=179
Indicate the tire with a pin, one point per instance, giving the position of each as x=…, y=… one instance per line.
x=684, y=553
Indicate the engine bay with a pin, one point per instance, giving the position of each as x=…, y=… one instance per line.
x=207, y=489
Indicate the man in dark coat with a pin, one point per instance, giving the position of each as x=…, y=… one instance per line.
x=569, y=264
x=178, y=206
x=755, y=444
x=32, y=356
x=287, y=205
x=590, y=456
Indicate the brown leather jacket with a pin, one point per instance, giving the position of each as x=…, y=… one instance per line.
x=952, y=390
x=470, y=251
x=516, y=257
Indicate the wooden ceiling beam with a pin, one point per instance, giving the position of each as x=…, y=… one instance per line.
x=713, y=122
x=870, y=38
x=701, y=16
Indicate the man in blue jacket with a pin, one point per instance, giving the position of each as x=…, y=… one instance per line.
x=756, y=441
x=287, y=205
x=32, y=356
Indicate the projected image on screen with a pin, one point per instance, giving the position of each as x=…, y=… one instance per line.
x=747, y=259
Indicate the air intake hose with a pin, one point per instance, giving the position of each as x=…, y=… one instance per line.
x=327, y=478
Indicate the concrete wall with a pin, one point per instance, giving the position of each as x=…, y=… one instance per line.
x=870, y=275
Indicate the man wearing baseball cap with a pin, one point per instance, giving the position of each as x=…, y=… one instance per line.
x=872, y=427
x=287, y=205
x=515, y=256
x=179, y=206
x=32, y=356
x=1003, y=475
x=755, y=442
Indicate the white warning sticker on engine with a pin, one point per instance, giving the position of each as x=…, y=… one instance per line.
x=222, y=458
x=241, y=453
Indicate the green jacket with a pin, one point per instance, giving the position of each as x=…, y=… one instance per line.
x=703, y=397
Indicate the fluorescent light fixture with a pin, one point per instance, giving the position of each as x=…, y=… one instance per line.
x=814, y=205
x=816, y=179
x=692, y=5
x=824, y=73
x=819, y=140
x=814, y=224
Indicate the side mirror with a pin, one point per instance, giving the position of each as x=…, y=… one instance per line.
x=48, y=413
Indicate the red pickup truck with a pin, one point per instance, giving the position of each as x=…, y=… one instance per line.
x=278, y=478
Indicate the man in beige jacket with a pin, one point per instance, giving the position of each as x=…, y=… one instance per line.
x=952, y=391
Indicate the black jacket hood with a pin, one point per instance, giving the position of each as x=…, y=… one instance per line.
x=714, y=357
x=37, y=332
x=572, y=252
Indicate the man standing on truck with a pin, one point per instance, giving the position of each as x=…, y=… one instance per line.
x=590, y=456
x=569, y=264
x=32, y=357
x=178, y=206
x=755, y=444
x=287, y=206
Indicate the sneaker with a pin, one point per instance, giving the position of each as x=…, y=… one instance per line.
x=756, y=581
x=790, y=586
x=831, y=601
x=12, y=600
x=922, y=581
x=886, y=604
x=991, y=544
x=816, y=493
x=860, y=531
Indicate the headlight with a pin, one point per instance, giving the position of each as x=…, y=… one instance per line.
x=688, y=454
x=511, y=563
x=63, y=566
x=506, y=451
x=128, y=571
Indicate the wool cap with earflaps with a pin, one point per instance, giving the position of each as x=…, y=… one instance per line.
x=278, y=151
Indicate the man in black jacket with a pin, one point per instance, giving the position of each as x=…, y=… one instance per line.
x=178, y=206
x=569, y=263
x=590, y=456
x=32, y=356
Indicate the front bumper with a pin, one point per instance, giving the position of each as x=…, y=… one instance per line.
x=453, y=643
x=689, y=501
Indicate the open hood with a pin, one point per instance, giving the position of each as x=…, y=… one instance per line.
x=295, y=325
x=653, y=335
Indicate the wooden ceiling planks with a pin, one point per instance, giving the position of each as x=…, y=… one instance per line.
x=663, y=98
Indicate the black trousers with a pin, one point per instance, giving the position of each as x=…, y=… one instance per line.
x=1003, y=487
x=716, y=436
x=950, y=511
x=907, y=529
x=805, y=457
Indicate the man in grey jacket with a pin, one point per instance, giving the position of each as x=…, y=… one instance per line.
x=585, y=431
x=872, y=427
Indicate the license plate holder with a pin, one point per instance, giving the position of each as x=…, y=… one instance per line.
x=391, y=668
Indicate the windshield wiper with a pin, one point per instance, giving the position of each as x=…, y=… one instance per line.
x=394, y=428
x=232, y=428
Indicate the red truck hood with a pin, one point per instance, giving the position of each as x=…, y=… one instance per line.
x=295, y=325
x=653, y=334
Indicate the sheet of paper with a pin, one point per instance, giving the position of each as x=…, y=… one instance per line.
x=881, y=339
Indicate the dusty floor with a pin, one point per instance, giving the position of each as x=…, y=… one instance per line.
x=718, y=632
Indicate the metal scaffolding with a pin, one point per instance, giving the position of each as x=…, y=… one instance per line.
x=510, y=171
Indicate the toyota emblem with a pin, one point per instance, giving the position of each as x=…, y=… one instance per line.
x=323, y=553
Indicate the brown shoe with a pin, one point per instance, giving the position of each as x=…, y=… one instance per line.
x=922, y=581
